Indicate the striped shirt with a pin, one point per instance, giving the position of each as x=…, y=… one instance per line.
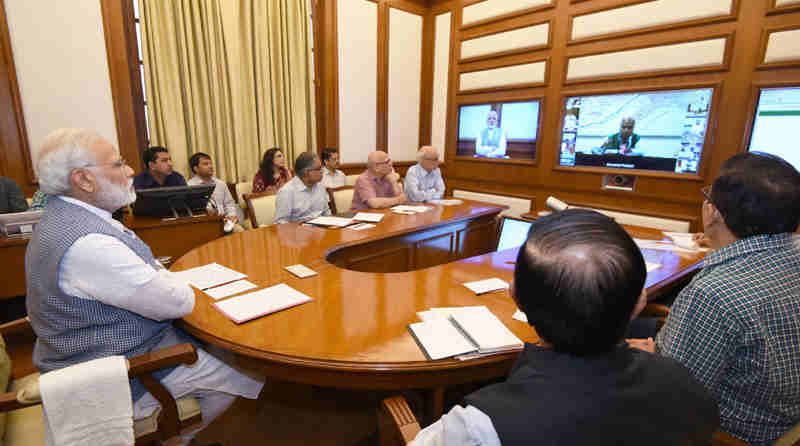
x=736, y=326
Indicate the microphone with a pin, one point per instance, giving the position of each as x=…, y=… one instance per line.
x=556, y=204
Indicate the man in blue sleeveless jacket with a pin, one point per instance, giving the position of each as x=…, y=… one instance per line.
x=579, y=279
x=95, y=289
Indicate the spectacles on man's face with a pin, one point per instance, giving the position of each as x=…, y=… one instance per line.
x=118, y=164
x=388, y=160
x=706, y=191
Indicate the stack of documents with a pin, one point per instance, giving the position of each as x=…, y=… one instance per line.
x=333, y=222
x=368, y=216
x=207, y=276
x=261, y=303
x=407, y=209
x=464, y=332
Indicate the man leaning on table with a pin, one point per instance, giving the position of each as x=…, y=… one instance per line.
x=579, y=278
x=221, y=201
x=424, y=179
x=379, y=186
x=95, y=289
x=736, y=326
x=303, y=196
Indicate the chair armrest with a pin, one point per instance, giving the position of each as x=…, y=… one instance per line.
x=397, y=422
x=722, y=438
x=166, y=357
x=21, y=326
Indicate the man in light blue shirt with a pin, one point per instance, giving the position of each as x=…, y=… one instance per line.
x=304, y=196
x=424, y=179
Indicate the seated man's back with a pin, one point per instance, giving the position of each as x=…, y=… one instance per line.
x=579, y=279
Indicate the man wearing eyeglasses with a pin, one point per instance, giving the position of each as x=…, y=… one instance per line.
x=379, y=186
x=303, y=196
x=736, y=326
x=95, y=289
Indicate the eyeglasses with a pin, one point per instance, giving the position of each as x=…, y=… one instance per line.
x=388, y=160
x=706, y=191
x=118, y=164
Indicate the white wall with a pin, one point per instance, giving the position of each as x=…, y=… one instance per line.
x=405, y=67
x=60, y=55
x=357, y=29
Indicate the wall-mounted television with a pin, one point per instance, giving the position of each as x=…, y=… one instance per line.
x=776, y=122
x=499, y=130
x=648, y=130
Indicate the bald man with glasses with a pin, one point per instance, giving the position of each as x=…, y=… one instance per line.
x=379, y=186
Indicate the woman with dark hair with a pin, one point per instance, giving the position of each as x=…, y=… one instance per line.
x=272, y=174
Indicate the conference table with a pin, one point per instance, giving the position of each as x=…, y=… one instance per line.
x=369, y=287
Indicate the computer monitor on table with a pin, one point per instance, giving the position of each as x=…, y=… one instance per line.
x=173, y=201
x=513, y=233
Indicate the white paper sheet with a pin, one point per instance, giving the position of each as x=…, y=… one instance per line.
x=368, y=216
x=487, y=285
x=410, y=208
x=447, y=202
x=210, y=275
x=361, y=226
x=485, y=330
x=230, y=289
x=331, y=221
x=260, y=303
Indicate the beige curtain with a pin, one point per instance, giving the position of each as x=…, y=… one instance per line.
x=230, y=78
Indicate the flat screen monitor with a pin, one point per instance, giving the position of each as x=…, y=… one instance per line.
x=650, y=130
x=172, y=201
x=513, y=233
x=501, y=130
x=776, y=122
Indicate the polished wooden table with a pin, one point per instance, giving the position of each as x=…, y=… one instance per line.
x=370, y=285
x=170, y=238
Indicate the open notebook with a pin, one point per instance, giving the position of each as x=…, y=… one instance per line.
x=463, y=330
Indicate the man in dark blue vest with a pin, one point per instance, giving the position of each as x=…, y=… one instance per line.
x=95, y=289
x=579, y=278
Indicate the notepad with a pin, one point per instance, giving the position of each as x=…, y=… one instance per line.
x=403, y=208
x=230, y=289
x=207, y=276
x=487, y=286
x=259, y=303
x=463, y=332
x=368, y=216
x=447, y=202
x=335, y=222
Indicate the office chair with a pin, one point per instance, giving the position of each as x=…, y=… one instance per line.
x=22, y=405
x=261, y=208
x=341, y=198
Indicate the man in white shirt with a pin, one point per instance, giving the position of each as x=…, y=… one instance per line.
x=331, y=176
x=95, y=289
x=221, y=201
x=424, y=179
x=304, y=196
x=491, y=141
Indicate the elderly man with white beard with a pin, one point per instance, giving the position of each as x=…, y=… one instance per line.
x=95, y=289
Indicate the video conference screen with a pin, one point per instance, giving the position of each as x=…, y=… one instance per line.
x=776, y=123
x=654, y=130
x=501, y=130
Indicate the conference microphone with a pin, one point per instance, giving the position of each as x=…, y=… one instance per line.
x=555, y=204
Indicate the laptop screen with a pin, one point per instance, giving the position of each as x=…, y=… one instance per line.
x=513, y=234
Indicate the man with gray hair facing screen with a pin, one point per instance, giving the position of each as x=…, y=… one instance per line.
x=579, y=278
x=303, y=196
x=95, y=289
x=424, y=179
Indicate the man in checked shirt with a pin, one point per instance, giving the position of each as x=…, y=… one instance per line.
x=736, y=326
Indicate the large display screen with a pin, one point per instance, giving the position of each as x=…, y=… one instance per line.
x=776, y=123
x=503, y=130
x=654, y=130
